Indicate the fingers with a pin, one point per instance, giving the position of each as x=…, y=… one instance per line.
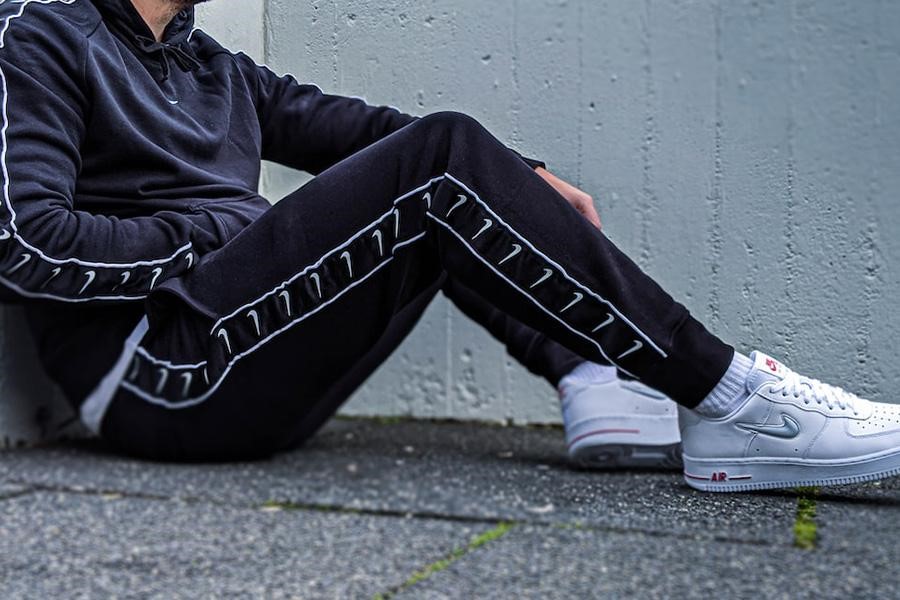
x=593, y=217
x=581, y=200
x=586, y=207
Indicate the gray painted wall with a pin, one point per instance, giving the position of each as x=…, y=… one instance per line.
x=746, y=153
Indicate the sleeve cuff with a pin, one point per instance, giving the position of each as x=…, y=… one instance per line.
x=531, y=162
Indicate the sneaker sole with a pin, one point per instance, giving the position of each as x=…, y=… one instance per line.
x=612, y=441
x=749, y=475
x=607, y=456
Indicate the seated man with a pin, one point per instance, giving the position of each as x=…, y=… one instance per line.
x=189, y=320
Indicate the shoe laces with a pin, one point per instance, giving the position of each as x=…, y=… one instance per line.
x=813, y=390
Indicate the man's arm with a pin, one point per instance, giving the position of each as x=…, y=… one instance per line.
x=306, y=129
x=48, y=249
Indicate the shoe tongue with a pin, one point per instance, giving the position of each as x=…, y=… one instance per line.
x=765, y=370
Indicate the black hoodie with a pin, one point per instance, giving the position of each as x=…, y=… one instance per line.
x=124, y=159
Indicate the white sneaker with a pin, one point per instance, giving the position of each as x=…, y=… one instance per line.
x=620, y=424
x=791, y=431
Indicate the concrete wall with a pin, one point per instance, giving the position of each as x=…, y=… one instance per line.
x=237, y=24
x=746, y=153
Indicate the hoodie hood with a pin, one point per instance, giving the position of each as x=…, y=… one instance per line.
x=125, y=22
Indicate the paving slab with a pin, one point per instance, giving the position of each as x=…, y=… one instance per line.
x=64, y=545
x=456, y=470
x=861, y=529
x=550, y=563
x=368, y=507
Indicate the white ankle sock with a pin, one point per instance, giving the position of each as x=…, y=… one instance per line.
x=731, y=390
x=588, y=373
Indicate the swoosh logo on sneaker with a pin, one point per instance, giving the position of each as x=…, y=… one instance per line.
x=788, y=429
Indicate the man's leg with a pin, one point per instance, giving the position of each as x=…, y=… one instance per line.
x=608, y=422
x=242, y=355
x=532, y=349
x=250, y=342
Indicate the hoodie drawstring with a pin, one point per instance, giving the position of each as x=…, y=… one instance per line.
x=167, y=51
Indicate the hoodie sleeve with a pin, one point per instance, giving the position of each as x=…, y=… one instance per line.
x=306, y=129
x=48, y=248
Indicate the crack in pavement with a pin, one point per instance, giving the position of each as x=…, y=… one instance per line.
x=832, y=498
x=12, y=494
x=458, y=553
x=112, y=494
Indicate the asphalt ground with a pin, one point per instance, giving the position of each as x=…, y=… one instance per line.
x=384, y=509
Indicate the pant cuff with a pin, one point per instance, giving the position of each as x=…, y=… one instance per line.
x=696, y=363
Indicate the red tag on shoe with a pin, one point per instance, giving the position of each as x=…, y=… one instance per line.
x=768, y=365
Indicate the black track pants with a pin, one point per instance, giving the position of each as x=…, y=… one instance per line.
x=531, y=348
x=255, y=348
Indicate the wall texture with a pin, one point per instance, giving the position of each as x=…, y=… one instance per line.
x=746, y=153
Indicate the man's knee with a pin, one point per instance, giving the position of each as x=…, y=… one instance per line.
x=450, y=122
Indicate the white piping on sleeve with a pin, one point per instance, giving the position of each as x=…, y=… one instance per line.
x=6, y=178
x=28, y=294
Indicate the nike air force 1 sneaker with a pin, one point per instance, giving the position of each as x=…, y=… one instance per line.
x=620, y=424
x=791, y=431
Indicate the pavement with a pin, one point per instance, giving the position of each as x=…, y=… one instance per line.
x=421, y=510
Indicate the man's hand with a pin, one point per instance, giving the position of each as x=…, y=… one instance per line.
x=582, y=202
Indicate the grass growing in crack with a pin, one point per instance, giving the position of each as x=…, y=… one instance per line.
x=440, y=565
x=805, y=530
